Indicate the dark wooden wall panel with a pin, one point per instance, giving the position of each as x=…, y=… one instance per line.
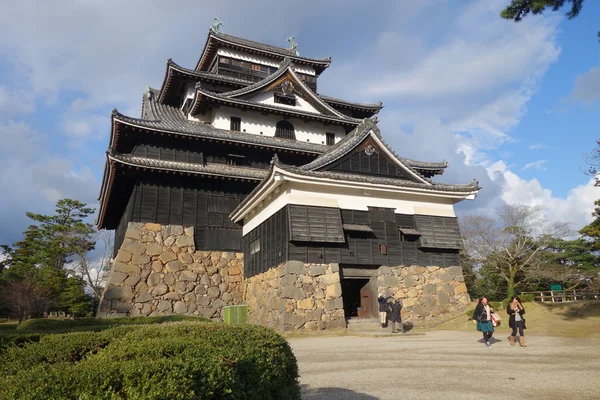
x=207, y=211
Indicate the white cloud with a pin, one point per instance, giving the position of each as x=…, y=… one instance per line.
x=15, y=102
x=587, y=86
x=539, y=165
x=576, y=208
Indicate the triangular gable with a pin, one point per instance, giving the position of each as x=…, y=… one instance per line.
x=364, y=152
x=285, y=81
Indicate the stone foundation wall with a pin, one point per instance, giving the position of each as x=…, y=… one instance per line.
x=296, y=296
x=158, y=271
x=427, y=293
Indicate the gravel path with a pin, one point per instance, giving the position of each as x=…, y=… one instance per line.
x=447, y=365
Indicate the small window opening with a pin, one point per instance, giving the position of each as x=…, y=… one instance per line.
x=285, y=130
x=383, y=248
x=235, y=124
x=287, y=100
x=330, y=138
x=255, y=246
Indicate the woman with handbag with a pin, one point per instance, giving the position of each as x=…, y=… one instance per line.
x=515, y=311
x=482, y=317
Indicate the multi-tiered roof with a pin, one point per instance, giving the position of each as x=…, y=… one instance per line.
x=179, y=112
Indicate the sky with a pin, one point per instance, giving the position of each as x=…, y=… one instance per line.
x=514, y=105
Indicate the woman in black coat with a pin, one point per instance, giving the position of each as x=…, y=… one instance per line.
x=395, y=315
x=482, y=316
x=515, y=311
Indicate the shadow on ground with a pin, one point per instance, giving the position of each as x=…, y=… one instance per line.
x=331, y=393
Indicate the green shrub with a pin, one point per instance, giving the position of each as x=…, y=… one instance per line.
x=52, y=324
x=169, y=361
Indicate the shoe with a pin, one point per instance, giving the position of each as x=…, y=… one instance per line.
x=512, y=340
x=522, y=341
x=488, y=344
x=383, y=325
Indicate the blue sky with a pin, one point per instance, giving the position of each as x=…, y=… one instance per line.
x=512, y=105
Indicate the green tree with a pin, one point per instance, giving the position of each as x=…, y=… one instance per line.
x=511, y=245
x=518, y=9
x=593, y=160
x=49, y=248
x=592, y=231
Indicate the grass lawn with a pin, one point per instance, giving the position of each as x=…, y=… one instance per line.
x=576, y=319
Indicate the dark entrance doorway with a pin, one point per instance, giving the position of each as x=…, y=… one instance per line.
x=352, y=294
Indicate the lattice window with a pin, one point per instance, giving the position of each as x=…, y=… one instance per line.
x=330, y=138
x=235, y=124
x=287, y=100
x=285, y=130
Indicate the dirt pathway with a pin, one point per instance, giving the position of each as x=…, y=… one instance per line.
x=447, y=365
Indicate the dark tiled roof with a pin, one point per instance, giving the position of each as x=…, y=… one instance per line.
x=242, y=83
x=177, y=166
x=267, y=47
x=336, y=101
x=377, y=180
x=261, y=106
x=356, y=178
x=357, y=228
x=355, y=137
x=165, y=118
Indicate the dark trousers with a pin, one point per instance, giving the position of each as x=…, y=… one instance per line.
x=518, y=324
x=487, y=336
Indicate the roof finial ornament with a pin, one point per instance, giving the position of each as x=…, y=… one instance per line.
x=148, y=92
x=216, y=25
x=293, y=45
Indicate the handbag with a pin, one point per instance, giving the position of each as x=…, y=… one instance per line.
x=495, y=319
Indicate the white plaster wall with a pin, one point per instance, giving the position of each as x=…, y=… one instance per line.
x=262, y=60
x=347, y=199
x=255, y=122
x=269, y=98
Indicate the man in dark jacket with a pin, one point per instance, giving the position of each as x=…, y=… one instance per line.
x=396, y=316
x=383, y=309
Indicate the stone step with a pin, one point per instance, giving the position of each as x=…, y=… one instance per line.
x=362, y=321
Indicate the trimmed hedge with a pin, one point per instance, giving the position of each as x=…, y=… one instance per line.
x=52, y=324
x=169, y=361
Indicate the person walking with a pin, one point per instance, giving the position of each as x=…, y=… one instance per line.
x=383, y=310
x=396, y=316
x=515, y=311
x=482, y=316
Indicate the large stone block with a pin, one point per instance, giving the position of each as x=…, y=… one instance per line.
x=164, y=305
x=306, y=304
x=144, y=298
x=455, y=270
x=334, y=290
x=334, y=304
x=126, y=268
x=180, y=307
x=295, y=267
x=171, y=296
x=316, y=270
x=123, y=256
x=116, y=278
x=410, y=281
x=189, y=276
x=428, y=301
x=153, y=279
x=132, y=280
x=206, y=312
x=140, y=259
x=174, y=266
x=446, y=278
x=416, y=270
x=153, y=227
x=159, y=290
x=420, y=310
x=429, y=289
x=132, y=233
x=334, y=267
x=294, y=320
x=185, y=241
x=185, y=258
x=460, y=288
x=167, y=256
x=176, y=230
x=390, y=281
x=329, y=279
x=291, y=292
x=133, y=246
x=214, y=292
x=443, y=298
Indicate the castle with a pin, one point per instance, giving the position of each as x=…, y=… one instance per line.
x=241, y=183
